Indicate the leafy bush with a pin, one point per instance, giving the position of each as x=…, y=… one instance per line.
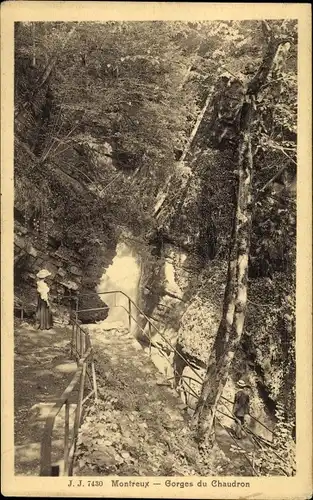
x=280, y=458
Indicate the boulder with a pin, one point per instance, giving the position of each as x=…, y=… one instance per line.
x=19, y=229
x=61, y=272
x=71, y=285
x=92, y=301
x=51, y=267
x=31, y=250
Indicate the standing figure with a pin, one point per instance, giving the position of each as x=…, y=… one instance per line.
x=241, y=407
x=43, y=308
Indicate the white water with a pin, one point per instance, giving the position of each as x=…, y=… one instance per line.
x=169, y=269
x=124, y=275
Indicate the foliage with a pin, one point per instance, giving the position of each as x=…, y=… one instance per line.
x=204, y=309
x=98, y=136
x=280, y=458
x=274, y=235
x=125, y=94
x=270, y=336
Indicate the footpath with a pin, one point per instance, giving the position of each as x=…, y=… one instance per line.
x=140, y=425
x=42, y=370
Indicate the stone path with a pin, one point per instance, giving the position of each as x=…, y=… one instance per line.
x=42, y=371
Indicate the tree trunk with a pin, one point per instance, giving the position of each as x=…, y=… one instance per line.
x=53, y=61
x=164, y=198
x=235, y=299
x=34, y=44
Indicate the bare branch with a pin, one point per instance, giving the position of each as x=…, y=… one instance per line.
x=109, y=184
x=276, y=176
x=75, y=184
x=53, y=61
x=283, y=150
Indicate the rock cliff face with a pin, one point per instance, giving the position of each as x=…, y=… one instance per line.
x=71, y=273
x=65, y=266
x=167, y=295
x=187, y=309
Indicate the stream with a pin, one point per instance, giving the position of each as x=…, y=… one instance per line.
x=123, y=275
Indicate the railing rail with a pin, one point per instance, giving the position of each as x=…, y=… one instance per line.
x=130, y=301
x=228, y=401
x=81, y=350
x=150, y=324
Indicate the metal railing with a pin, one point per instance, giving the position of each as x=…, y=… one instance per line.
x=151, y=326
x=195, y=395
x=186, y=380
x=81, y=351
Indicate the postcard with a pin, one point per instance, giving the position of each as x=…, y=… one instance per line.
x=156, y=251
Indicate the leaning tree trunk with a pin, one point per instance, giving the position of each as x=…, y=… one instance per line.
x=165, y=199
x=235, y=299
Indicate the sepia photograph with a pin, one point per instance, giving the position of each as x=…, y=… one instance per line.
x=155, y=251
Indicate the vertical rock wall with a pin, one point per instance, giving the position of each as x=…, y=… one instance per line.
x=65, y=266
x=71, y=273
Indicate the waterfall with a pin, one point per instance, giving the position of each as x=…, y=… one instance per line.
x=124, y=275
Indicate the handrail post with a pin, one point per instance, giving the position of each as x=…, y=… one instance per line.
x=129, y=315
x=76, y=308
x=81, y=336
x=80, y=400
x=45, y=453
x=73, y=339
x=66, y=436
x=77, y=340
x=94, y=380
